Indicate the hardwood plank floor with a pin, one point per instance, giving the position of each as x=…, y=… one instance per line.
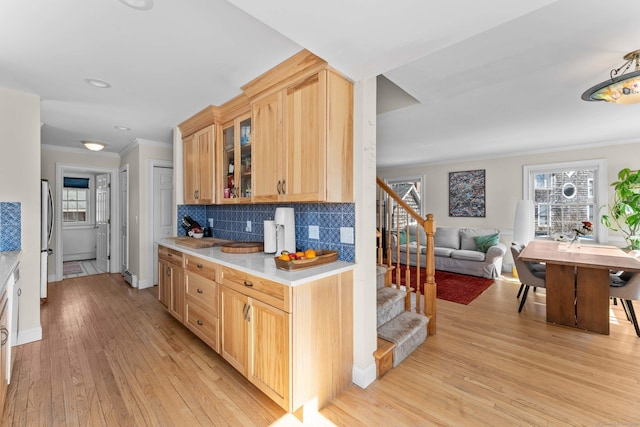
x=111, y=355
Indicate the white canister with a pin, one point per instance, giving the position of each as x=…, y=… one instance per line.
x=269, y=237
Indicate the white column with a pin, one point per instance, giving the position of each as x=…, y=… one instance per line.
x=364, y=289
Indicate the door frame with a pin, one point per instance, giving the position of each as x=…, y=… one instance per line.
x=125, y=206
x=61, y=169
x=150, y=244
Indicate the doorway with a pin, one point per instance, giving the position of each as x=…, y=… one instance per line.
x=160, y=202
x=83, y=218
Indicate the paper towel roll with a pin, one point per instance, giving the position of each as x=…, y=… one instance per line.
x=269, y=236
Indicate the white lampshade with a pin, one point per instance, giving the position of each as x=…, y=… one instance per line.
x=524, y=222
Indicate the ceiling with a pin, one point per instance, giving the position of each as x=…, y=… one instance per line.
x=485, y=79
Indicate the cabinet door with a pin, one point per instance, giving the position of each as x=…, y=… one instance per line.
x=164, y=283
x=205, y=176
x=4, y=360
x=234, y=328
x=190, y=166
x=305, y=149
x=266, y=140
x=269, y=351
x=177, y=302
x=243, y=166
x=227, y=166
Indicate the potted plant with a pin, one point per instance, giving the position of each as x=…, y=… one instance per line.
x=624, y=211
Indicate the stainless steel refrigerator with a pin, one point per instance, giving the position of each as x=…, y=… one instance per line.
x=46, y=228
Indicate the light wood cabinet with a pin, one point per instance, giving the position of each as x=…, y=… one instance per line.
x=256, y=338
x=236, y=166
x=303, y=141
x=201, y=290
x=295, y=343
x=171, y=292
x=198, y=163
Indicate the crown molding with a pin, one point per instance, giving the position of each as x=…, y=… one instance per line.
x=146, y=142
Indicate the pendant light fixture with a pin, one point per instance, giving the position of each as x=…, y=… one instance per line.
x=621, y=88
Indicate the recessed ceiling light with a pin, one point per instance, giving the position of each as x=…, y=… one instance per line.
x=92, y=145
x=139, y=4
x=97, y=83
x=123, y=128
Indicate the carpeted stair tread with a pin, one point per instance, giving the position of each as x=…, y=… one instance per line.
x=390, y=303
x=381, y=270
x=407, y=330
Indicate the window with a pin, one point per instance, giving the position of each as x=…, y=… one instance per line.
x=75, y=200
x=565, y=194
x=410, y=191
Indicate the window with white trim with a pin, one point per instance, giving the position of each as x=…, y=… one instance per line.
x=76, y=198
x=565, y=194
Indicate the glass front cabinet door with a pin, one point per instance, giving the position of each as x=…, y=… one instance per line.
x=235, y=172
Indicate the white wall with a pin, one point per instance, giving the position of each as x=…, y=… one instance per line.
x=20, y=166
x=137, y=156
x=504, y=182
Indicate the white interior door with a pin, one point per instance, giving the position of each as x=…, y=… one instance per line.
x=103, y=221
x=162, y=209
x=124, y=220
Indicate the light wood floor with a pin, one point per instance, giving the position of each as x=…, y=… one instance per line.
x=112, y=356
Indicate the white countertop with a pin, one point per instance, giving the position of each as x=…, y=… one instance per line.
x=261, y=264
x=8, y=261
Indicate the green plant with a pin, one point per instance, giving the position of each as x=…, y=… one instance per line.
x=624, y=212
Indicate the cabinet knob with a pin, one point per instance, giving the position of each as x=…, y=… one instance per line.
x=199, y=322
x=248, y=283
x=199, y=265
x=279, y=187
x=284, y=191
x=169, y=254
x=168, y=271
x=5, y=335
x=199, y=291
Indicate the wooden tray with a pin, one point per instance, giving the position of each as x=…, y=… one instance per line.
x=242, y=247
x=205, y=242
x=322, y=257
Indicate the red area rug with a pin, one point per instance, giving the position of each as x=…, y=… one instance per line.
x=458, y=288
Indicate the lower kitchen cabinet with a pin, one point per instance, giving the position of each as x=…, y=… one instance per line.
x=255, y=339
x=294, y=343
x=171, y=281
x=4, y=360
x=201, y=292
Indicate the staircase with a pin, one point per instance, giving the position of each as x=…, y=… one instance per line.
x=404, y=316
x=400, y=332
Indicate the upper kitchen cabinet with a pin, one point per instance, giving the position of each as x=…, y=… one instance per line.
x=198, y=145
x=303, y=133
x=235, y=152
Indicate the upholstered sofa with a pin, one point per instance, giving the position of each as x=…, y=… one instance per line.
x=477, y=252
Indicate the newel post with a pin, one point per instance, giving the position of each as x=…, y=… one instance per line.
x=430, y=284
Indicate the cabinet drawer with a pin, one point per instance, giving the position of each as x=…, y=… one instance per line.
x=202, y=291
x=204, y=268
x=203, y=323
x=170, y=255
x=275, y=294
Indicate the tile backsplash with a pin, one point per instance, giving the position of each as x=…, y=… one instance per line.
x=230, y=222
x=10, y=226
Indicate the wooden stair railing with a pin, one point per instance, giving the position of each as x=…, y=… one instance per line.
x=391, y=223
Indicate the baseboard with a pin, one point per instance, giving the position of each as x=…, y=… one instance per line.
x=363, y=377
x=29, y=335
x=143, y=284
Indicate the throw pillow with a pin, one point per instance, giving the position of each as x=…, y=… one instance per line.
x=403, y=237
x=483, y=243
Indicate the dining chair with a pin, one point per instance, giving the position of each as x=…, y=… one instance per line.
x=626, y=288
x=530, y=274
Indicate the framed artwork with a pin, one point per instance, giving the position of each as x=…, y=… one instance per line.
x=467, y=193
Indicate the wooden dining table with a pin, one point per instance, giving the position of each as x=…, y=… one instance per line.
x=577, y=281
